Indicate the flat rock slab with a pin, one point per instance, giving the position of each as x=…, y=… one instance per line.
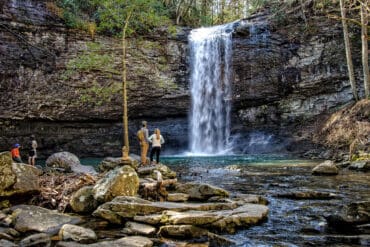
x=128, y=207
x=134, y=241
x=244, y=216
x=134, y=228
x=32, y=218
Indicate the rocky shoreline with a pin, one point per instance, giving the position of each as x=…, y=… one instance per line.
x=147, y=203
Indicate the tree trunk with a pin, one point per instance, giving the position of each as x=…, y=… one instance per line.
x=365, y=51
x=348, y=50
x=126, y=145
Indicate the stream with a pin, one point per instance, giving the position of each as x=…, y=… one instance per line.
x=290, y=222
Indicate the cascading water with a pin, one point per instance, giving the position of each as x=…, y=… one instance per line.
x=211, y=55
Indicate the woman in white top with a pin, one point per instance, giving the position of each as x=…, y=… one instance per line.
x=156, y=140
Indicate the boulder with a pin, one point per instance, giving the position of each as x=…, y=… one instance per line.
x=33, y=218
x=7, y=178
x=177, y=197
x=83, y=201
x=200, y=191
x=62, y=161
x=122, y=181
x=39, y=239
x=326, y=168
x=134, y=228
x=110, y=163
x=123, y=207
x=78, y=234
x=360, y=165
x=16, y=178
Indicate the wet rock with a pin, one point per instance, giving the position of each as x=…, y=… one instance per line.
x=249, y=198
x=122, y=181
x=40, y=239
x=360, y=165
x=83, y=201
x=17, y=179
x=32, y=218
x=134, y=228
x=77, y=233
x=122, y=207
x=307, y=195
x=199, y=191
x=62, y=161
x=177, y=197
x=110, y=163
x=134, y=241
x=326, y=168
x=352, y=215
x=7, y=243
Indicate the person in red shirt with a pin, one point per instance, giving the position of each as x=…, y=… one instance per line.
x=15, y=153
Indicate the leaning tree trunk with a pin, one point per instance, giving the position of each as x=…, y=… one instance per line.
x=365, y=52
x=348, y=50
x=126, y=145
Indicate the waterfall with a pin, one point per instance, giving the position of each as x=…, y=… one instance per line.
x=211, y=55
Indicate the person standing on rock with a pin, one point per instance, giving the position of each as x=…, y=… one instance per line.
x=143, y=136
x=15, y=153
x=32, y=155
x=157, y=140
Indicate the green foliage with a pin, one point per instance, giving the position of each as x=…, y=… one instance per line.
x=77, y=13
x=146, y=14
x=98, y=95
x=93, y=59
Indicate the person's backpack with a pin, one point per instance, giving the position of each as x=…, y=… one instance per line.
x=140, y=135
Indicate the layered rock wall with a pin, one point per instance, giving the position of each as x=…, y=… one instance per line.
x=282, y=80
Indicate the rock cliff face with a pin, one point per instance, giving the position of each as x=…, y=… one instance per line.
x=281, y=80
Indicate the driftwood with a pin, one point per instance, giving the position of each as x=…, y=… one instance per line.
x=57, y=189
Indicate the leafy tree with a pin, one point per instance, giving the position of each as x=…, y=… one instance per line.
x=129, y=16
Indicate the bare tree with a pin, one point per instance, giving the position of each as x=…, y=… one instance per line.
x=348, y=50
x=365, y=51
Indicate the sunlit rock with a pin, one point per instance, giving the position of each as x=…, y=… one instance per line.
x=83, y=201
x=122, y=181
x=326, y=168
x=133, y=228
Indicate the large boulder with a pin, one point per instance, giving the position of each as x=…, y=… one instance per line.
x=17, y=178
x=62, y=161
x=83, y=200
x=325, y=168
x=67, y=162
x=200, y=191
x=122, y=181
x=28, y=218
x=78, y=234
